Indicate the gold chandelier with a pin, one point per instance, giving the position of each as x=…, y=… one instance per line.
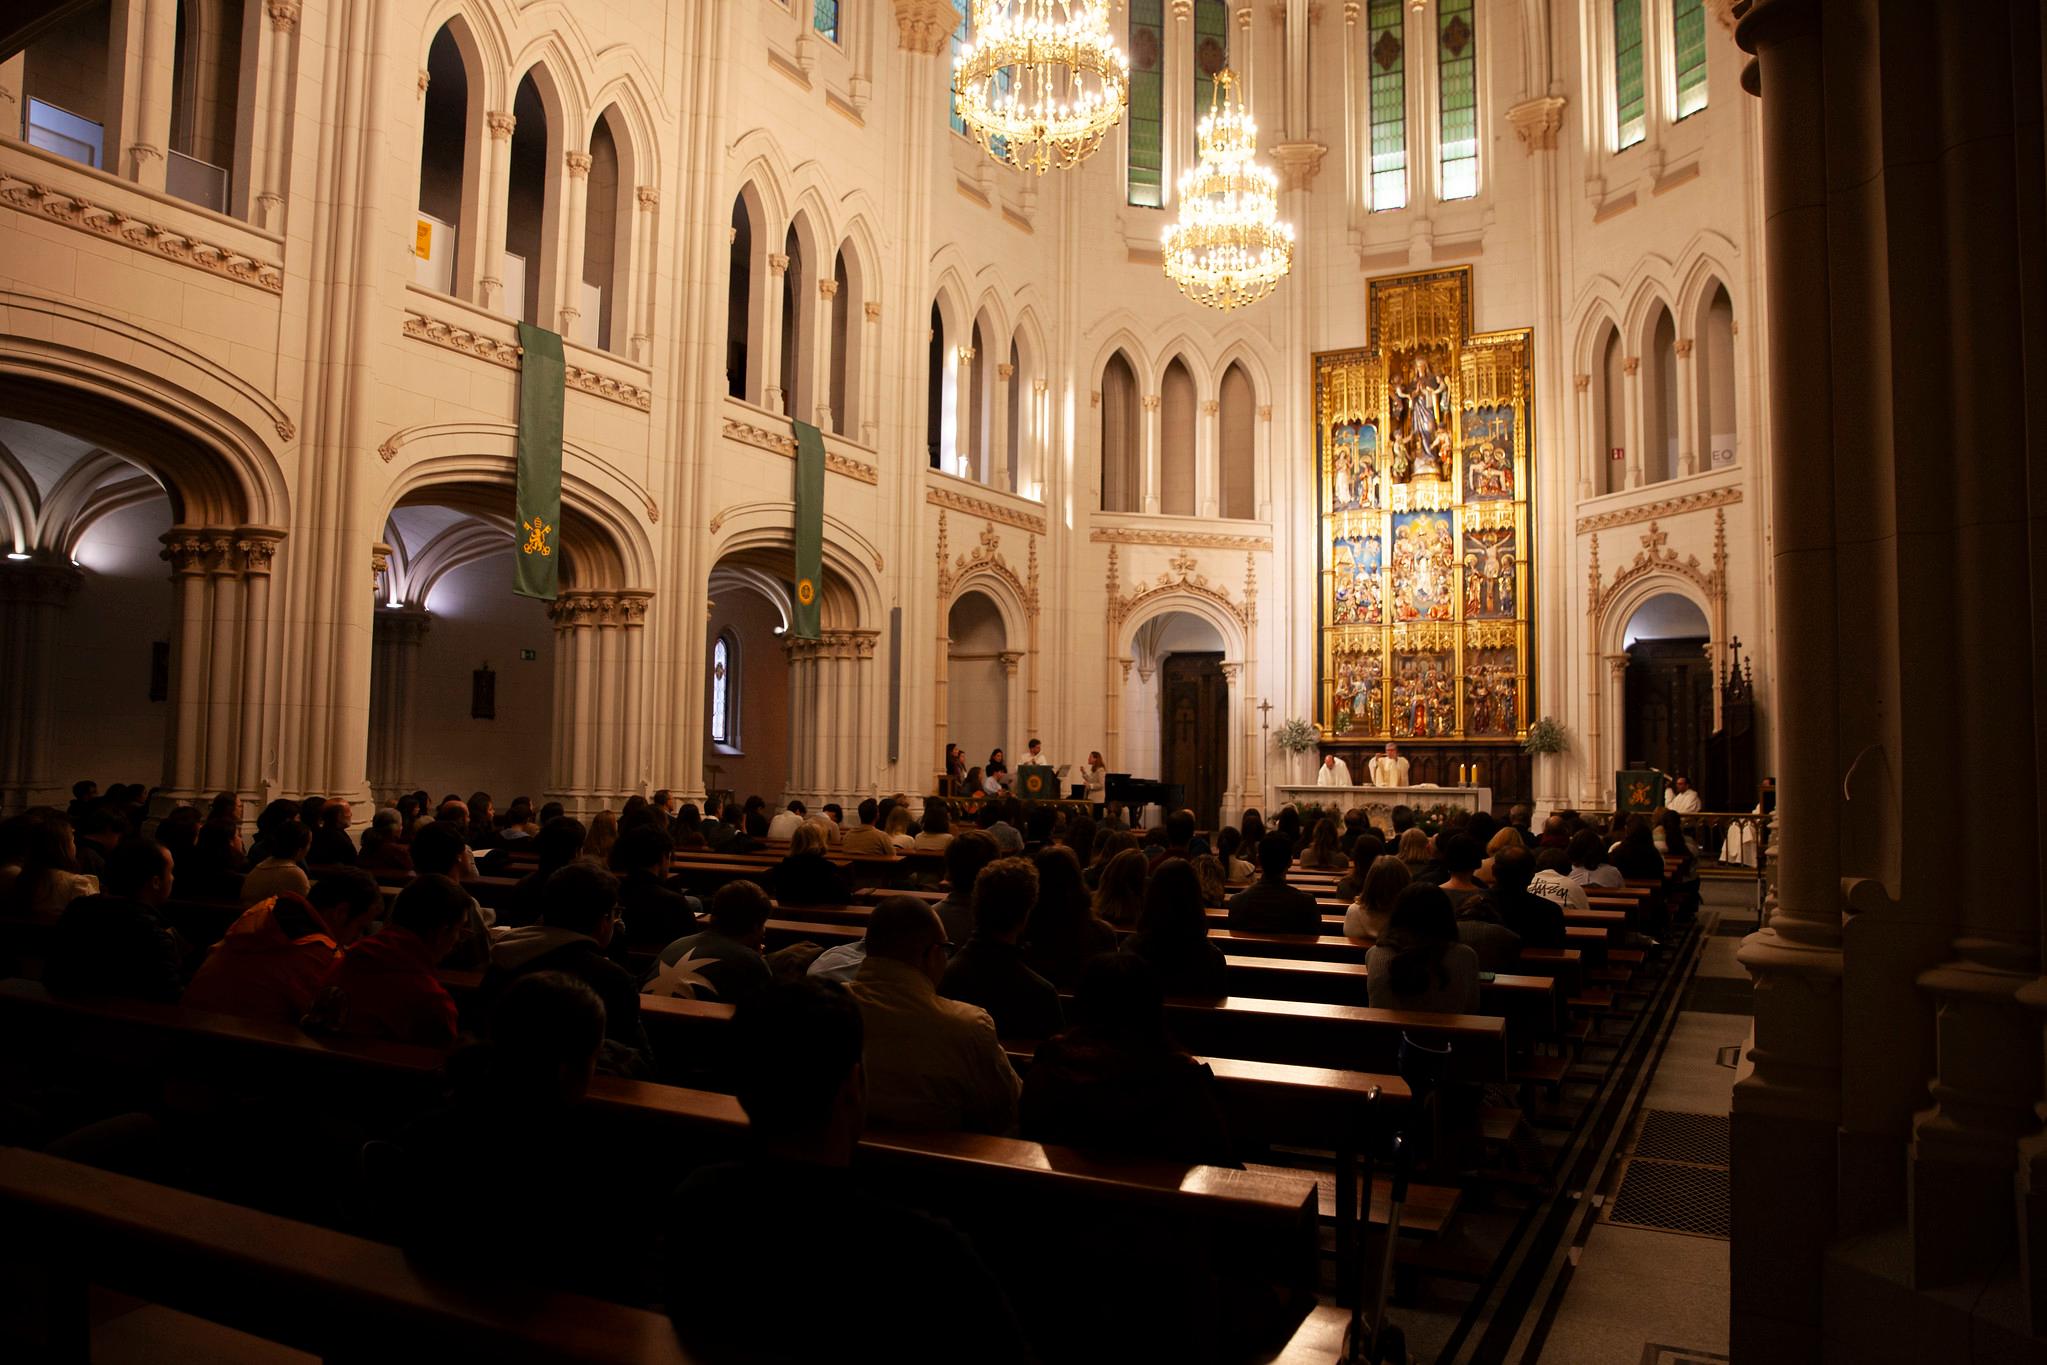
x=1229, y=248
x=1040, y=82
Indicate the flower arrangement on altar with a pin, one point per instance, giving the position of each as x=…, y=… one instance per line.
x=1296, y=736
x=1545, y=736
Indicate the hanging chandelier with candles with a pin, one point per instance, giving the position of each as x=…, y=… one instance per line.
x=1040, y=82
x=1229, y=248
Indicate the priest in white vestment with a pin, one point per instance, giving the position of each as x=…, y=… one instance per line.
x=1334, y=773
x=1682, y=799
x=1389, y=769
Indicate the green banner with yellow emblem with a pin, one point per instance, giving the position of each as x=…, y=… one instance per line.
x=809, y=529
x=537, y=501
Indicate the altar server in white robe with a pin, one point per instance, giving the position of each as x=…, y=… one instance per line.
x=1681, y=798
x=1334, y=773
x=1389, y=769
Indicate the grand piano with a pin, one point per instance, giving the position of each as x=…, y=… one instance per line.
x=1121, y=789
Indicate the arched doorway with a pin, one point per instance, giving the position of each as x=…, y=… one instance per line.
x=746, y=697
x=1179, y=709
x=1667, y=690
x=980, y=668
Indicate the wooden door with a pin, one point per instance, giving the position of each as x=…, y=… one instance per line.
x=1194, y=723
x=1669, y=706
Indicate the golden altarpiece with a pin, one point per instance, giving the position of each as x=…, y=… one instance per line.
x=1423, y=449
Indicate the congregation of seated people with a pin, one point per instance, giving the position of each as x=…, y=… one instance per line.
x=1065, y=931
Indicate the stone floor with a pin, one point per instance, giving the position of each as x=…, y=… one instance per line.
x=1642, y=1297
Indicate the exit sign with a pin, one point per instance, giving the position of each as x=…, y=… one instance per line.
x=1619, y=453
x=528, y=655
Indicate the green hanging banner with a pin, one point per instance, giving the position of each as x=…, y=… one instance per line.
x=537, y=503
x=809, y=528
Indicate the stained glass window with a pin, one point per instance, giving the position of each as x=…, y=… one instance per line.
x=1688, y=33
x=1211, y=51
x=1457, y=103
x=1386, y=65
x=959, y=39
x=1629, y=103
x=1147, y=103
x=721, y=691
x=824, y=17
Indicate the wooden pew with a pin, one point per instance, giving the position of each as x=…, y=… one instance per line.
x=307, y=1287
x=1018, y=1200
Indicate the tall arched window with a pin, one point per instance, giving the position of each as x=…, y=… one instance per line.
x=1688, y=51
x=1122, y=487
x=739, y=302
x=531, y=244
x=608, y=214
x=1147, y=115
x=725, y=690
x=444, y=232
x=824, y=17
x=1630, y=105
x=1659, y=400
x=1239, y=492
x=1012, y=439
x=205, y=76
x=1211, y=50
x=1176, y=441
x=974, y=426
x=934, y=391
x=1386, y=58
x=1612, y=414
x=1713, y=353
x=793, y=387
x=843, y=304
x=1457, y=98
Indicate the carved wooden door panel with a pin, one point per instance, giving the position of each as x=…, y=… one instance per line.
x=1194, y=721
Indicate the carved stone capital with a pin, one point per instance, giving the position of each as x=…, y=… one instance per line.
x=1536, y=122
x=500, y=124
x=1299, y=163
x=1041, y=387
x=1684, y=348
x=424, y=78
x=1265, y=412
x=1152, y=401
x=1582, y=382
x=966, y=355
x=1005, y=371
x=1210, y=407
x=828, y=289
x=872, y=308
x=578, y=164
x=1631, y=364
x=284, y=15
x=185, y=549
x=647, y=196
x=923, y=26
x=778, y=262
x=258, y=547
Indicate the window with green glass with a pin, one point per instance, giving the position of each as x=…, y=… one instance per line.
x=1630, y=103
x=1457, y=98
x=1211, y=50
x=959, y=40
x=1688, y=34
x=1147, y=103
x=824, y=17
x=1386, y=78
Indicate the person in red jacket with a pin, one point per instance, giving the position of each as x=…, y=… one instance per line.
x=385, y=987
x=272, y=961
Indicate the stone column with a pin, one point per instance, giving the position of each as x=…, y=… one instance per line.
x=801, y=721
x=773, y=381
x=396, y=637
x=640, y=278
x=605, y=757
x=284, y=23
x=33, y=595
x=186, y=547
x=583, y=698
x=488, y=259
x=223, y=728
x=1588, y=434
x=941, y=667
x=258, y=546
x=632, y=607
x=844, y=696
x=825, y=351
x=1179, y=110
x=1011, y=658
x=1688, y=439
x=870, y=375
x=559, y=721
x=1787, y=1107
x=1112, y=729
x=1634, y=422
x=999, y=453
x=146, y=157
x=1154, y=437
x=965, y=435
x=570, y=308
x=1208, y=442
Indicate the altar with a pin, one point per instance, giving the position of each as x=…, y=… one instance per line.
x=1378, y=802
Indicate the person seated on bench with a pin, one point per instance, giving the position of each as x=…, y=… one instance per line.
x=497, y=1182
x=782, y=1255
x=931, y=1062
x=559, y=843
x=1589, y=866
x=1552, y=881
x=968, y=852
x=383, y=844
x=1419, y=963
x=654, y=912
x=574, y=932
x=113, y=943
x=1064, y=931
x=806, y=876
x=283, y=870
x=271, y=962
x=385, y=987
x=989, y=970
x=1117, y=1082
x=867, y=839
x=1172, y=934
x=1269, y=905
x=1323, y=852
x=332, y=845
x=1538, y=921
x=727, y=953
x=1365, y=850
x=1370, y=913
x=786, y=820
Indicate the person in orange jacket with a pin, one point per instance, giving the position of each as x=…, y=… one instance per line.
x=271, y=962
